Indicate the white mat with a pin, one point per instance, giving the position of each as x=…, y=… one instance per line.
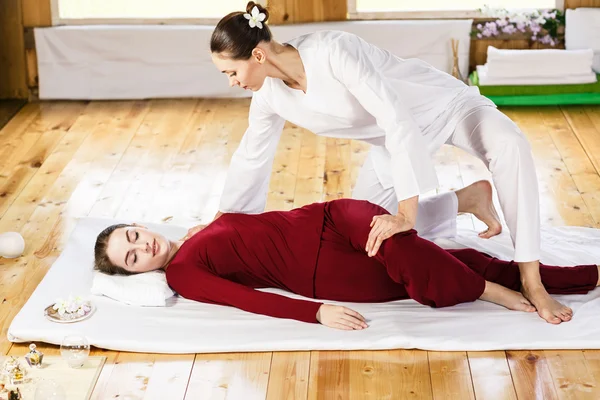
x=149, y=61
x=189, y=327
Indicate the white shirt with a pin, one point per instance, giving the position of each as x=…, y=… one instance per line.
x=355, y=90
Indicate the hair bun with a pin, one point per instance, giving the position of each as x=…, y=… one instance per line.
x=260, y=7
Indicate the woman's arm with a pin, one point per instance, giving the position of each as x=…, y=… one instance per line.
x=198, y=284
x=413, y=169
x=248, y=176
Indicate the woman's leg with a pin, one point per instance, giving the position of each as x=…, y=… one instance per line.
x=497, y=141
x=579, y=279
x=429, y=274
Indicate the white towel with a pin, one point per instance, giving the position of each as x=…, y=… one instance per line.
x=486, y=80
x=538, y=63
x=582, y=31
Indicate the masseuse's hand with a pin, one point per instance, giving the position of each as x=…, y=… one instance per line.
x=384, y=227
x=340, y=317
x=192, y=231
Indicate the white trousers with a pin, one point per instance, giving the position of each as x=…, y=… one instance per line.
x=492, y=137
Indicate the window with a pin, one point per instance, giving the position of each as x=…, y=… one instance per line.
x=142, y=11
x=371, y=9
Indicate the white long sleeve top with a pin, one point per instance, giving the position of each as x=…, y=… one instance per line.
x=355, y=90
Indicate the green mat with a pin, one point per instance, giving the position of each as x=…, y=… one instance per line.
x=546, y=99
x=587, y=93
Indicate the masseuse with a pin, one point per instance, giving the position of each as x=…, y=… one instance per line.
x=337, y=85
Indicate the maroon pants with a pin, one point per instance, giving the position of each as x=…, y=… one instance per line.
x=407, y=266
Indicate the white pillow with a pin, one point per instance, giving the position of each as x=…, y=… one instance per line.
x=147, y=289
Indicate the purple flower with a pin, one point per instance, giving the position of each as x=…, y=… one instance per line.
x=490, y=29
x=535, y=28
x=521, y=26
x=510, y=29
x=479, y=26
x=479, y=35
x=502, y=22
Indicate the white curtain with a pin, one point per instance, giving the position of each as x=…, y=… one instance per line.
x=149, y=61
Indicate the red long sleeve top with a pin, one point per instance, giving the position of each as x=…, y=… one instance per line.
x=224, y=263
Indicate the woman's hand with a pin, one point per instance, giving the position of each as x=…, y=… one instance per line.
x=192, y=231
x=340, y=317
x=384, y=227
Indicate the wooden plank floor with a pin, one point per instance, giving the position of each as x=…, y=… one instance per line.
x=63, y=160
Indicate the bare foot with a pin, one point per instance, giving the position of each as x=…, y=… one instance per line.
x=476, y=199
x=506, y=297
x=548, y=308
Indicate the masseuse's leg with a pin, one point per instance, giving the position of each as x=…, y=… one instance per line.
x=497, y=141
x=430, y=275
x=557, y=280
x=436, y=215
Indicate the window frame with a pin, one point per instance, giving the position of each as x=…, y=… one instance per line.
x=57, y=20
x=353, y=14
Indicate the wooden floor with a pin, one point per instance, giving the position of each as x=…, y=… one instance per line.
x=164, y=161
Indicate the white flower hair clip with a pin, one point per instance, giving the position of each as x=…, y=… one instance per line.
x=256, y=18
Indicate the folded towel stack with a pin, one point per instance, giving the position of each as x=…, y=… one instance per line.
x=536, y=67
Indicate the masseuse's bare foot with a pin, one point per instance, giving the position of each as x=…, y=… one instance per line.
x=505, y=297
x=548, y=308
x=477, y=199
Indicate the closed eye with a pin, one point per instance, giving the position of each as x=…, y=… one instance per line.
x=137, y=236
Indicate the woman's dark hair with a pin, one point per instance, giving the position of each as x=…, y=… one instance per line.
x=234, y=37
x=101, y=261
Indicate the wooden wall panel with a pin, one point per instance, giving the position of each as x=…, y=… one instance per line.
x=298, y=11
x=581, y=3
x=13, y=83
x=37, y=13
x=22, y=70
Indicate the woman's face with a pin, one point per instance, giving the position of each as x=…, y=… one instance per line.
x=248, y=74
x=137, y=249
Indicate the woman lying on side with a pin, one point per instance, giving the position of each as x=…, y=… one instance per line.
x=318, y=251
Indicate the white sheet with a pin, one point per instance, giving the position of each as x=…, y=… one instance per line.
x=189, y=327
x=582, y=31
x=486, y=80
x=149, y=61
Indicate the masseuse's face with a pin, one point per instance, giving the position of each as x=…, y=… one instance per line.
x=247, y=74
x=137, y=249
